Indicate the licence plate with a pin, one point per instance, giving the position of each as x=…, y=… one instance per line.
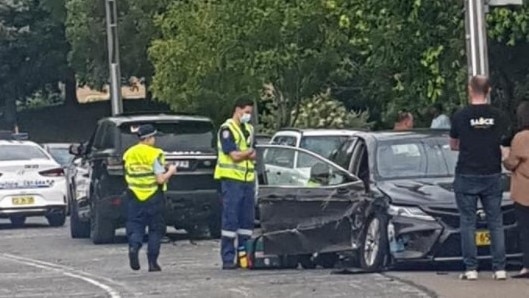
x=482, y=238
x=182, y=164
x=23, y=201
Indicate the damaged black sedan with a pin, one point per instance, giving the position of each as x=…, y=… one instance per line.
x=412, y=173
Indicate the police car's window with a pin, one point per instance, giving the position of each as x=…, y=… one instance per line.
x=174, y=136
x=21, y=152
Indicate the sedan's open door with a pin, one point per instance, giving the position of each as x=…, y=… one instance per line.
x=305, y=210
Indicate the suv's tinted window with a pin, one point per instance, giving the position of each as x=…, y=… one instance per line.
x=174, y=136
x=107, y=140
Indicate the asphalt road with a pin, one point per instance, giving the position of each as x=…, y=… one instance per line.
x=39, y=261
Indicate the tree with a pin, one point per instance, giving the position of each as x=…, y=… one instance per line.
x=32, y=51
x=508, y=30
x=378, y=55
x=212, y=51
x=86, y=31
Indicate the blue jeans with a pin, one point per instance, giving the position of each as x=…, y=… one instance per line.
x=238, y=203
x=486, y=188
x=146, y=214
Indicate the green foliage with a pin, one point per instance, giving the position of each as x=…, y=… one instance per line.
x=86, y=31
x=322, y=111
x=32, y=48
x=319, y=111
x=226, y=48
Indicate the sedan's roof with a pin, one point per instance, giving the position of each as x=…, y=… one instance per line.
x=389, y=135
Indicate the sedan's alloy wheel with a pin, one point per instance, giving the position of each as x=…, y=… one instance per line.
x=372, y=245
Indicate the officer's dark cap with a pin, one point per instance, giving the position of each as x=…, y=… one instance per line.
x=146, y=130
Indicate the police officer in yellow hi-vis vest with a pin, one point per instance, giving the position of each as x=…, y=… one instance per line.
x=146, y=179
x=235, y=169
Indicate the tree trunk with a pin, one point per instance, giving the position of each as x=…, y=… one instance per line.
x=70, y=89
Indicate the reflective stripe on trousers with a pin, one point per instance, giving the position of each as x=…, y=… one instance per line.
x=238, y=203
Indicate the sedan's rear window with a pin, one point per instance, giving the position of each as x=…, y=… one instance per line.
x=174, y=136
x=21, y=152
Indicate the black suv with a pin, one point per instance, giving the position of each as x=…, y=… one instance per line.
x=192, y=196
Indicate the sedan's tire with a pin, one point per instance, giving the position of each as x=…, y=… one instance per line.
x=374, y=248
x=57, y=219
x=306, y=262
x=328, y=260
x=102, y=231
x=78, y=228
x=18, y=221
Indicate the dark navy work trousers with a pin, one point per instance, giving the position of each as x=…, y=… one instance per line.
x=149, y=214
x=238, y=213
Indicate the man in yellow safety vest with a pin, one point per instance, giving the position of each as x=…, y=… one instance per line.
x=236, y=172
x=146, y=178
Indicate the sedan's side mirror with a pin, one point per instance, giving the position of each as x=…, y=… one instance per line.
x=76, y=150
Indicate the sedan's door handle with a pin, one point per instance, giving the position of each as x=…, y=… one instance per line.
x=342, y=190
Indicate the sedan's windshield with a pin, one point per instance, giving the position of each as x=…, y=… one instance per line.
x=21, y=152
x=415, y=158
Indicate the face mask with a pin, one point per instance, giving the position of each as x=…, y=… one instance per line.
x=245, y=118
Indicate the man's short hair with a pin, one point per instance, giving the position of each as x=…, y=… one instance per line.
x=402, y=115
x=480, y=84
x=242, y=102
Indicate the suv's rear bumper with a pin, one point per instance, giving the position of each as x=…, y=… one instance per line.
x=184, y=208
x=188, y=208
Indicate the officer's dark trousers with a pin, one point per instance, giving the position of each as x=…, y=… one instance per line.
x=238, y=203
x=150, y=214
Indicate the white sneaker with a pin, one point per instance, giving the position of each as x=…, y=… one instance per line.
x=500, y=275
x=469, y=275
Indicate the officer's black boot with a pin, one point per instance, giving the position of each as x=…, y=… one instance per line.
x=153, y=264
x=134, y=260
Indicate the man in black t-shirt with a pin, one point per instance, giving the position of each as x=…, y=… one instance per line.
x=477, y=132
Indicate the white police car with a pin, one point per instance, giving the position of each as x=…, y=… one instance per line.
x=32, y=183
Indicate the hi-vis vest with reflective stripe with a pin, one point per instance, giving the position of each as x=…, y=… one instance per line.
x=226, y=168
x=139, y=172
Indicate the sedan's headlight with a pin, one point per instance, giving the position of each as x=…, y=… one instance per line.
x=410, y=212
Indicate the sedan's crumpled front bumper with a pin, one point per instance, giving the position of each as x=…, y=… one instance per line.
x=439, y=239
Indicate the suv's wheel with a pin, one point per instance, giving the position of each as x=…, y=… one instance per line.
x=18, y=221
x=374, y=245
x=214, y=225
x=198, y=232
x=78, y=228
x=102, y=230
